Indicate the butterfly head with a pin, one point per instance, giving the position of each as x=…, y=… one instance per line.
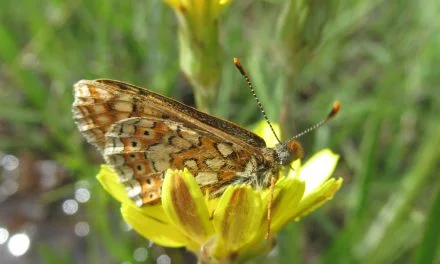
x=292, y=149
x=288, y=152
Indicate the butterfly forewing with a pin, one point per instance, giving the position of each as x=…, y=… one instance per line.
x=141, y=134
x=97, y=106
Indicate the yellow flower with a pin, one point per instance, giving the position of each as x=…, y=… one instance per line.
x=233, y=226
x=200, y=9
x=200, y=53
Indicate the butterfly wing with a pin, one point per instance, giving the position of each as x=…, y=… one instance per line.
x=111, y=114
x=141, y=149
x=100, y=103
x=97, y=106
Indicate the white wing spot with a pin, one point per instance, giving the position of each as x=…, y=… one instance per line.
x=125, y=173
x=122, y=115
x=98, y=109
x=81, y=90
x=128, y=129
x=103, y=120
x=123, y=106
x=180, y=143
x=191, y=164
x=206, y=178
x=133, y=188
x=138, y=200
x=161, y=165
x=224, y=149
x=115, y=160
x=160, y=155
x=146, y=123
x=125, y=97
x=80, y=111
x=113, y=146
x=215, y=163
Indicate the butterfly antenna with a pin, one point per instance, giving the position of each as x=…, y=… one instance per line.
x=335, y=109
x=246, y=77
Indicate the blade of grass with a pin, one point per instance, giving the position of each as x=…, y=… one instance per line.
x=429, y=247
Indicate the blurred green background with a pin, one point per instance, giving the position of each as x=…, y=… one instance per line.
x=379, y=58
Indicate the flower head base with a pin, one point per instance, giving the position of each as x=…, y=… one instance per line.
x=233, y=226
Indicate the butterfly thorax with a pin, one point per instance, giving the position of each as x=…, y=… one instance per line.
x=260, y=169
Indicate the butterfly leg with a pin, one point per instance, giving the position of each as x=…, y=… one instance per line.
x=269, y=206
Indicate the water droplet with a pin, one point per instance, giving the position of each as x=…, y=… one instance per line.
x=163, y=259
x=10, y=162
x=4, y=235
x=70, y=206
x=82, y=195
x=19, y=244
x=82, y=229
x=140, y=254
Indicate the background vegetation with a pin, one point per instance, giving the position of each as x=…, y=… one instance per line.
x=379, y=58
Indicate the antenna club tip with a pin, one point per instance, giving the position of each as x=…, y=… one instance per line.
x=335, y=109
x=239, y=66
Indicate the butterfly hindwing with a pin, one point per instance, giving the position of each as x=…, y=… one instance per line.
x=141, y=149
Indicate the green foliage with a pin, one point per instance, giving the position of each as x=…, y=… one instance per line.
x=379, y=58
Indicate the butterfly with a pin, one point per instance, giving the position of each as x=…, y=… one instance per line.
x=141, y=134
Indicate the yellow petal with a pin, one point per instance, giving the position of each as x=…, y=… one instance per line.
x=290, y=194
x=295, y=168
x=318, y=169
x=317, y=198
x=184, y=204
x=110, y=182
x=150, y=221
x=237, y=220
x=152, y=228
